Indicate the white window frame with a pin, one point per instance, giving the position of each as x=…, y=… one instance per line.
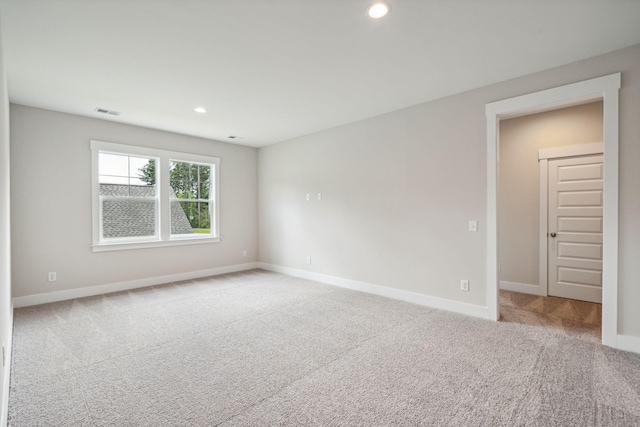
x=210, y=201
x=163, y=235
x=102, y=198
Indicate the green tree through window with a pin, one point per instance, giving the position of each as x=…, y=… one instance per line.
x=190, y=183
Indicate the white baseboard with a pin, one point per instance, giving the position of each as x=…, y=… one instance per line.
x=624, y=342
x=628, y=343
x=4, y=402
x=429, y=301
x=523, y=288
x=89, y=291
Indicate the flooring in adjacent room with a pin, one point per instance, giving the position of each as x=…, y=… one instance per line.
x=578, y=319
x=259, y=348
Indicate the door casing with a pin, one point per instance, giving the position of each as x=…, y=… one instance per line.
x=604, y=88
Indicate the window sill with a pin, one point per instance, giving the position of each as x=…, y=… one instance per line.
x=105, y=247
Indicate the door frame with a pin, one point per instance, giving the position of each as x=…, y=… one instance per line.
x=543, y=160
x=601, y=88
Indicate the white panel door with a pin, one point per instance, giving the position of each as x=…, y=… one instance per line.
x=575, y=228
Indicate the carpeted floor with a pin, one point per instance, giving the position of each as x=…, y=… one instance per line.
x=260, y=348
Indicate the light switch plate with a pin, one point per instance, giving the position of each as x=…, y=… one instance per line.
x=473, y=225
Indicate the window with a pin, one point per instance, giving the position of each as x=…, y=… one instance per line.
x=190, y=184
x=128, y=197
x=144, y=197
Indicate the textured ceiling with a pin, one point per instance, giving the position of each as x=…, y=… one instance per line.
x=272, y=70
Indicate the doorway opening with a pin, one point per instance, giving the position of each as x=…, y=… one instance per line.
x=603, y=89
x=550, y=219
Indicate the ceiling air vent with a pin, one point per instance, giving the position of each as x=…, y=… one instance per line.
x=105, y=111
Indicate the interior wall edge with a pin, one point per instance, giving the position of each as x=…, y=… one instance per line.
x=4, y=413
x=6, y=310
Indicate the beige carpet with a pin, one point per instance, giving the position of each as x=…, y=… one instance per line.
x=259, y=348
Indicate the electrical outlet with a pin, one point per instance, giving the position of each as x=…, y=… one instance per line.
x=244, y=253
x=464, y=285
x=308, y=197
x=319, y=196
x=53, y=276
x=309, y=260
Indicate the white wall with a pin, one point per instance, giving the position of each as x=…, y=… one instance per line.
x=6, y=315
x=398, y=191
x=518, y=212
x=51, y=204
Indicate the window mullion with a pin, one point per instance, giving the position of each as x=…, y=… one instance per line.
x=165, y=195
x=214, y=198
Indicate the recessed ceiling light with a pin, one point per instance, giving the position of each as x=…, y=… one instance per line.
x=378, y=10
x=200, y=110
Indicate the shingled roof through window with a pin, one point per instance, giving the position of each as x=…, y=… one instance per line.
x=136, y=218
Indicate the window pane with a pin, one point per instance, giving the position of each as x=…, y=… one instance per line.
x=109, y=179
x=179, y=221
x=180, y=177
x=204, y=226
x=114, y=165
x=189, y=180
x=126, y=176
x=190, y=217
x=204, y=173
x=136, y=165
x=138, y=182
x=145, y=171
x=128, y=218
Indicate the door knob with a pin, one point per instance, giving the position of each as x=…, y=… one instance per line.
x=553, y=234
